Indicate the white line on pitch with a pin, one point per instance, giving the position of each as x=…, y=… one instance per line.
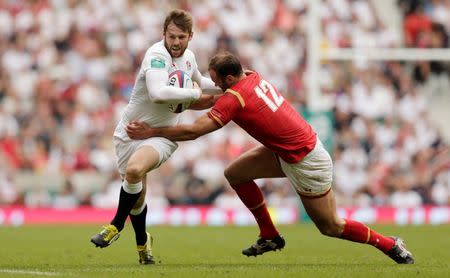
x=29, y=272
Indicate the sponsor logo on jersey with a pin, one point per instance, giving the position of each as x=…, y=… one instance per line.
x=172, y=81
x=188, y=65
x=157, y=63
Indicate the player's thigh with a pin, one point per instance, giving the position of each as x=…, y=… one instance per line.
x=313, y=175
x=322, y=211
x=320, y=208
x=150, y=154
x=143, y=159
x=259, y=162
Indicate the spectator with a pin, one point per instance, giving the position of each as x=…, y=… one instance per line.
x=66, y=197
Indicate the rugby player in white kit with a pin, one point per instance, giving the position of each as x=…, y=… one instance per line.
x=154, y=103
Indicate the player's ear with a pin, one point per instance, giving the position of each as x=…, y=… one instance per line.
x=229, y=78
x=191, y=35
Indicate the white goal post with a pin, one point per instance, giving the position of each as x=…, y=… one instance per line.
x=317, y=53
x=380, y=54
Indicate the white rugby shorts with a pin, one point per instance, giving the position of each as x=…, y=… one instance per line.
x=313, y=175
x=124, y=150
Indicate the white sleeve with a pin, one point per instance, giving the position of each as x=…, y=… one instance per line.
x=209, y=87
x=159, y=92
x=206, y=84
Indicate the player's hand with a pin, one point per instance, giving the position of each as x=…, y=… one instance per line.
x=138, y=130
x=196, y=86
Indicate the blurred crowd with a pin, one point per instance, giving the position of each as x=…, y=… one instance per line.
x=67, y=69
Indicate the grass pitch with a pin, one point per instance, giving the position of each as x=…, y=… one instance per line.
x=65, y=251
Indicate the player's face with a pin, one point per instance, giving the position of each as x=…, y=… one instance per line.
x=219, y=82
x=176, y=40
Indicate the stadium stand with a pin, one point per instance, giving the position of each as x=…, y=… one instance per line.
x=67, y=70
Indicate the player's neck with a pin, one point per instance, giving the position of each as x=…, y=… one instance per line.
x=237, y=80
x=242, y=76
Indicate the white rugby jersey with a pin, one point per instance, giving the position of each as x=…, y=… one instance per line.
x=142, y=105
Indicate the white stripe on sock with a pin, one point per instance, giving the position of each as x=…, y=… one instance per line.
x=138, y=210
x=132, y=188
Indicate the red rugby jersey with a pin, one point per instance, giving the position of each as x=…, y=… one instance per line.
x=257, y=107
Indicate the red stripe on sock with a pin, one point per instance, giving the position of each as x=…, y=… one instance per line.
x=252, y=197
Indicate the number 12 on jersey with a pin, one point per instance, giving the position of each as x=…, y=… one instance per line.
x=261, y=91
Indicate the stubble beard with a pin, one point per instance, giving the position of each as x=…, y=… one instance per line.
x=181, y=51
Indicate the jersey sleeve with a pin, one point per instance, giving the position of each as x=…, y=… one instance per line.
x=196, y=75
x=226, y=107
x=156, y=61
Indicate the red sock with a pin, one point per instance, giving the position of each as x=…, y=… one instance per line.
x=358, y=232
x=253, y=199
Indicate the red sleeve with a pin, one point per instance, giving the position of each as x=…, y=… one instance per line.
x=225, y=109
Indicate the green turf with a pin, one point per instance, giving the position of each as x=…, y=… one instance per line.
x=37, y=251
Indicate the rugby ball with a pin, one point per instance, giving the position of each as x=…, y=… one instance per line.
x=180, y=79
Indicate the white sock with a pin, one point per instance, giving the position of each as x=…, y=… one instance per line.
x=132, y=188
x=138, y=210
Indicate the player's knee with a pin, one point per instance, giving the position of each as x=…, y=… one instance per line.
x=235, y=176
x=229, y=175
x=134, y=173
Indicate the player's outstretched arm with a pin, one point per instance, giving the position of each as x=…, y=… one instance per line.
x=204, y=102
x=203, y=125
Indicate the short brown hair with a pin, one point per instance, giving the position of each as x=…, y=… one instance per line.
x=181, y=19
x=225, y=63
